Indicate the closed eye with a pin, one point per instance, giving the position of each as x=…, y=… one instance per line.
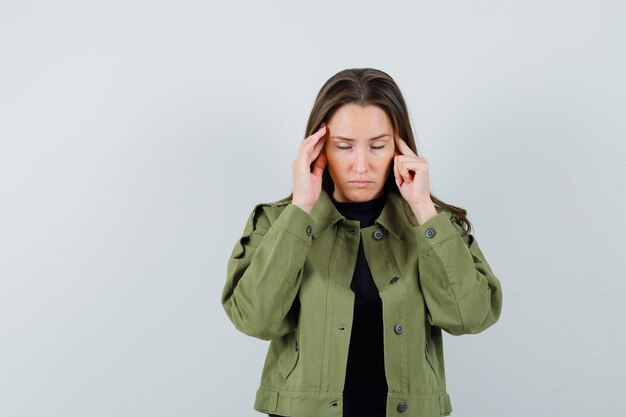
x=373, y=147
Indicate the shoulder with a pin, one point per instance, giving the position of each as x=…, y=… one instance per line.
x=264, y=214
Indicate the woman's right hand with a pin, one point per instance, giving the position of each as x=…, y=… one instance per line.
x=307, y=185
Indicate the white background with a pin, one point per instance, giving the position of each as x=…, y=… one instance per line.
x=136, y=136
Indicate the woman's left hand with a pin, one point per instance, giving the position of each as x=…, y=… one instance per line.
x=411, y=173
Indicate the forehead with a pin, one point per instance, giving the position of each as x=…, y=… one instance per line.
x=359, y=122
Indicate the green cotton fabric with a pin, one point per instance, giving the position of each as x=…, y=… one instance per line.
x=288, y=281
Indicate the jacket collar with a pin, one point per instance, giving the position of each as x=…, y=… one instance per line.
x=391, y=218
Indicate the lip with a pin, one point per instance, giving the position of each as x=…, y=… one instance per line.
x=361, y=183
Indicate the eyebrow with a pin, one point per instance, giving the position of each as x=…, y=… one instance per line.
x=352, y=140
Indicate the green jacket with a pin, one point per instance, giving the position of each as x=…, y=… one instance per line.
x=288, y=281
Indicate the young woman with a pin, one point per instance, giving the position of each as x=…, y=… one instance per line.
x=354, y=275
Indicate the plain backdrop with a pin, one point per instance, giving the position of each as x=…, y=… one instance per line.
x=136, y=137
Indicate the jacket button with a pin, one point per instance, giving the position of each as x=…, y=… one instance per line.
x=398, y=328
x=393, y=280
x=430, y=233
x=402, y=406
x=377, y=234
x=309, y=230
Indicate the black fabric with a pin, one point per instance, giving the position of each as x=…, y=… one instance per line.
x=365, y=389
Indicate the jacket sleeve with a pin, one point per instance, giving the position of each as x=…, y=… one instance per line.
x=264, y=272
x=462, y=294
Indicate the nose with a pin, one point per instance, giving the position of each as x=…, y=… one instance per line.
x=360, y=165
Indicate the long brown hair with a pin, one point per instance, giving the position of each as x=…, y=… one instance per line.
x=369, y=86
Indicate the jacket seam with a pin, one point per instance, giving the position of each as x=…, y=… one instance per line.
x=441, y=242
x=424, y=395
x=328, y=283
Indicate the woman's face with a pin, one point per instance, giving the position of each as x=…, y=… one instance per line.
x=360, y=149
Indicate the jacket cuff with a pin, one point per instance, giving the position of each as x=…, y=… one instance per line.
x=434, y=231
x=296, y=222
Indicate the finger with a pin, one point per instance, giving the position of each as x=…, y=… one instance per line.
x=417, y=163
x=317, y=149
x=396, y=149
x=403, y=171
x=396, y=169
x=312, y=140
x=403, y=147
x=316, y=135
x=411, y=167
x=407, y=174
x=320, y=164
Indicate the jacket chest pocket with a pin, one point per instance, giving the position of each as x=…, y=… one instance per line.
x=288, y=353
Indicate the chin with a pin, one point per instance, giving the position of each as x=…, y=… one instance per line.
x=361, y=195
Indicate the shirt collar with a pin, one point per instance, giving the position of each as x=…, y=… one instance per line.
x=391, y=218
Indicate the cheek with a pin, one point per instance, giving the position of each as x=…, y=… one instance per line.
x=385, y=159
x=335, y=160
